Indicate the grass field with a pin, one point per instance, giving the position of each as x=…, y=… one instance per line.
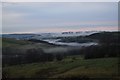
x=23, y=45
x=67, y=68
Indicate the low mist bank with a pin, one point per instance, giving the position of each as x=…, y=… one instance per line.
x=57, y=42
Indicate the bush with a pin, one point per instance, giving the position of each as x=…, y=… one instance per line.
x=59, y=57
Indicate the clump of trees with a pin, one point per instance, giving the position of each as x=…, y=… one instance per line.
x=106, y=38
x=59, y=57
x=109, y=45
x=101, y=51
x=31, y=55
x=38, y=55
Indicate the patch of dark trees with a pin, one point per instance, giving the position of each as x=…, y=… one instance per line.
x=38, y=55
x=93, y=52
x=9, y=57
x=109, y=44
x=106, y=38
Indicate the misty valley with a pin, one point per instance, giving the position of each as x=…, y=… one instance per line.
x=81, y=57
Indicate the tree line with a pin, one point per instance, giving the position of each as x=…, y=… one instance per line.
x=30, y=56
x=38, y=55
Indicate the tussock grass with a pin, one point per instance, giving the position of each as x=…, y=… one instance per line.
x=95, y=68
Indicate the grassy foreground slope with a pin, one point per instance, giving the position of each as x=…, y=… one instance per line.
x=67, y=68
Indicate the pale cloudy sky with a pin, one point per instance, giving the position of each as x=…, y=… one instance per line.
x=37, y=17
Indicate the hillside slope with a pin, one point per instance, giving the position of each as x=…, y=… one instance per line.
x=92, y=68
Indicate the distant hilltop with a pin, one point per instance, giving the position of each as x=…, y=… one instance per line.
x=40, y=36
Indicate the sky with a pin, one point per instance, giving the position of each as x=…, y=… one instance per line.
x=60, y=0
x=37, y=17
